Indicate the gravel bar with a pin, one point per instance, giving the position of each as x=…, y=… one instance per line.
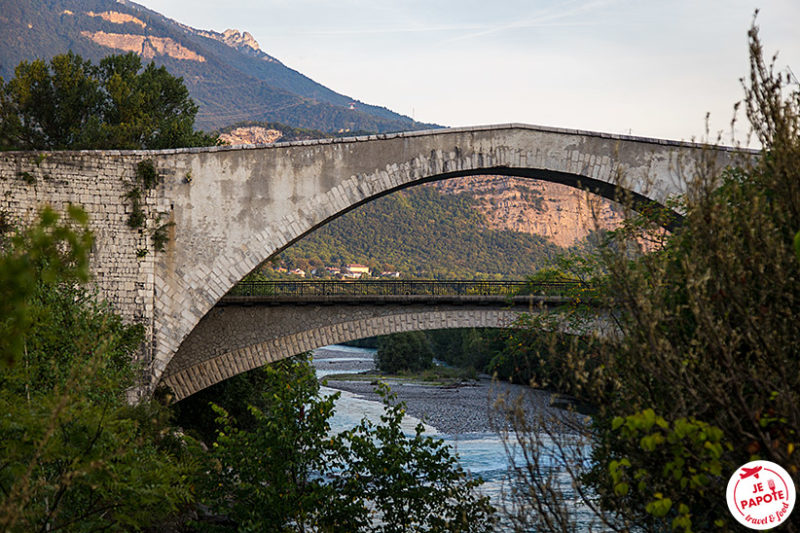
x=451, y=409
x=465, y=408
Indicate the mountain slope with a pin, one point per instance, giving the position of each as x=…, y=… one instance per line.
x=423, y=233
x=227, y=74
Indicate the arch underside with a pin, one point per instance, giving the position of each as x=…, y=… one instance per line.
x=261, y=336
x=579, y=182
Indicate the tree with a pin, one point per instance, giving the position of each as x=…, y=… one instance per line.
x=413, y=483
x=703, y=373
x=282, y=470
x=73, y=454
x=71, y=104
x=403, y=352
x=288, y=472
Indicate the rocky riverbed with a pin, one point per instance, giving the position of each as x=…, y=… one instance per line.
x=467, y=407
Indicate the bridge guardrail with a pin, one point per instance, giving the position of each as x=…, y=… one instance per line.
x=308, y=288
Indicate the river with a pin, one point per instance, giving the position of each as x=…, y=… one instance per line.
x=459, y=416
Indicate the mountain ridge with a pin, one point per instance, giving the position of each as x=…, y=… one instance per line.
x=227, y=74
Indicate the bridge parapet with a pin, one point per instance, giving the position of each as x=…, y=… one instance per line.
x=420, y=287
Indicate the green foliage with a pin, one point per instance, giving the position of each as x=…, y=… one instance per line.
x=46, y=252
x=423, y=233
x=146, y=178
x=73, y=454
x=469, y=348
x=413, y=483
x=797, y=245
x=403, y=352
x=700, y=373
x=533, y=353
x=161, y=236
x=72, y=104
x=146, y=174
x=282, y=473
x=234, y=395
x=27, y=177
x=283, y=470
x=671, y=464
x=137, y=217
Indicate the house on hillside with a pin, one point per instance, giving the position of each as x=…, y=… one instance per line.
x=333, y=271
x=392, y=274
x=298, y=272
x=354, y=270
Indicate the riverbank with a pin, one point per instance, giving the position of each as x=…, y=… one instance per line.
x=466, y=407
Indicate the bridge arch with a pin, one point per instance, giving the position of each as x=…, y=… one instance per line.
x=233, y=207
x=231, y=340
x=244, y=204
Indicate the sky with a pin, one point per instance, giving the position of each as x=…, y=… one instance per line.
x=640, y=67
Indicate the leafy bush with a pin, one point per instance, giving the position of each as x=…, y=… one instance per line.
x=285, y=470
x=702, y=372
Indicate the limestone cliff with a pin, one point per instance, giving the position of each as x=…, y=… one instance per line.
x=114, y=17
x=146, y=46
x=559, y=213
x=251, y=135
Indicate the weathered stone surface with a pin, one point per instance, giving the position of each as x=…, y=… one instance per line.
x=234, y=207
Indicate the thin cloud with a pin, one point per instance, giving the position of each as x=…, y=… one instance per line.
x=546, y=18
x=366, y=31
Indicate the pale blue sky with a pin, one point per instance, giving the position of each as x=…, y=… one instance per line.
x=651, y=68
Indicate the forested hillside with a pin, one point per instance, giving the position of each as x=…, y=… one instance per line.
x=228, y=75
x=422, y=233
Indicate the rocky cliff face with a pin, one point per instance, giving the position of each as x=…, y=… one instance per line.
x=146, y=46
x=241, y=41
x=251, y=135
x=559, y=213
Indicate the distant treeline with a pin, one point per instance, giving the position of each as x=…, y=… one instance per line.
x=526, y=356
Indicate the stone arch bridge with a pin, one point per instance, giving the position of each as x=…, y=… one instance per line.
x=227, y=209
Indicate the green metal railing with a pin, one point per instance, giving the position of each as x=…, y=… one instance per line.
x=306, y=288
